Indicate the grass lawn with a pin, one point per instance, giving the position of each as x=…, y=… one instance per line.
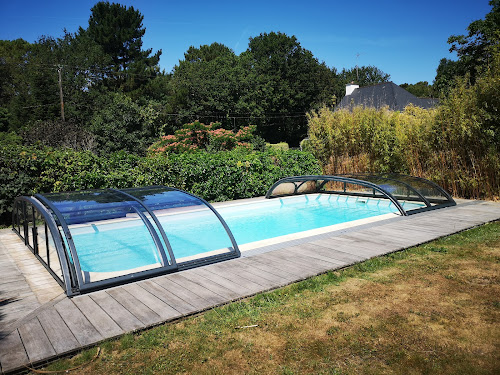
x=432, y=309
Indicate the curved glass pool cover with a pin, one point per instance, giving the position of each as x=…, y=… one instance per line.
x=394, y=187
x=93, y=239
x=97, y=238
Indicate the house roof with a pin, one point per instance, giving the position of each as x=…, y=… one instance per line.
x=384, y=94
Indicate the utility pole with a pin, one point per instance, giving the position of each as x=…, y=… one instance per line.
x=61, y=92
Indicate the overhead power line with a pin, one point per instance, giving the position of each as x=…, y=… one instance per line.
x=40, y=105
x=95, y=70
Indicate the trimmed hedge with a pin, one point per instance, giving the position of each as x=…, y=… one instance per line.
x=219, y=176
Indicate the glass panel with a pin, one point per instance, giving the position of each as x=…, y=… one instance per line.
x=15, y=216
x=306, y=187
x=55, y=265
x=112, y=236
x=358, y=189
x=193, y=229
x=29, y=223
x=41, y=236
x=284, y=188
x=428, y=190
x=399, y=189
x=20, y=217
x=333, y=186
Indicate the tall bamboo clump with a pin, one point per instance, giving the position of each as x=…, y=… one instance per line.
x=456, y=144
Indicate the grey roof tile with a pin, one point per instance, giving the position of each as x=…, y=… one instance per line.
x=384, y=94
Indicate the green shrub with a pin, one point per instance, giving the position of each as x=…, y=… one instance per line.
x=456, y=145
x=283, y=146
x=216, y=176
x=305, y=145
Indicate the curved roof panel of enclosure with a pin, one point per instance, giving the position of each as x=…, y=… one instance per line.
x=399, y=189
x=97, y=238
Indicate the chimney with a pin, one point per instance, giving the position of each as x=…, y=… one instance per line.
x=350, y=88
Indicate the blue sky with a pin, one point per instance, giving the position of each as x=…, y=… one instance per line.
x=403, y=38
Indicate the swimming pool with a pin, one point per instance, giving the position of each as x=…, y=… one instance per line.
x=92, y=239
x=193, y=233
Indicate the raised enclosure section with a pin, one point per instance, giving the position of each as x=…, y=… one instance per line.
x=98, y=238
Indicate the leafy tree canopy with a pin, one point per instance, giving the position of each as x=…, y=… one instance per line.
x=119, y=30
x=205, y=85
x=474, y=50
x=286, y=82
x=420, y=89
x=364, y=75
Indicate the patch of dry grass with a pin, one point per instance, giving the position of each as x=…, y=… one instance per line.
x=434, y=309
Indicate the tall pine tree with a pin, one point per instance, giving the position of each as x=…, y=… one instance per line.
x=119, y=30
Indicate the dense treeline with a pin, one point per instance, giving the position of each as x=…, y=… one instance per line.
x=117, y=98
x=456, y=144
x=220, y=176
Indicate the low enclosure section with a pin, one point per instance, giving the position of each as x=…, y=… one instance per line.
x=399, y=189
x=94, y=239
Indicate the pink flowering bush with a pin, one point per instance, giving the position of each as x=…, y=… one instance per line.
x=198, y=136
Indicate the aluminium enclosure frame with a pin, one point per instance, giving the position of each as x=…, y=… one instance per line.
x=74, y=283
x=68, y=281
x=395, y=176
x=299, y=181
x=428, y=201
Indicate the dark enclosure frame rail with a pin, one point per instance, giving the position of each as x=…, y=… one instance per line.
x=396, y=188
x=40, y=211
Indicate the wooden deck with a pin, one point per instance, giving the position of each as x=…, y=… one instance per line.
x=38, y=322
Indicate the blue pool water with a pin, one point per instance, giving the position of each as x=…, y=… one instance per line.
x=126, y=245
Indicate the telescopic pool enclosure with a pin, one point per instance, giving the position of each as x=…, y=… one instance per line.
x=94, y=239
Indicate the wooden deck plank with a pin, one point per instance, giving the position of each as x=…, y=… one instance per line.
x=272, y=268
x=60, y=336
x=169, y=298
x=288, y=263
x=124, y=318
x=106, y=326
x=239, y=289
x=35, y=341
x=324, y=264
x=243, y=266
x=12, y=353
x=165, y=311
x=223, y=294
x=211, y=297
x=410, y=233
x=78, y=324
x=302, y=253
x=374, y=249
x=346, y=246
x=244, y=278
x=235, y=279
x=195, y=277
x=183, y=293
x=375, y=239
x=334, y=255
x=246, y=271
x=254, y=277
x=137, y=308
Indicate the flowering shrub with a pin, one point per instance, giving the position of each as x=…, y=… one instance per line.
x=198, y=136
